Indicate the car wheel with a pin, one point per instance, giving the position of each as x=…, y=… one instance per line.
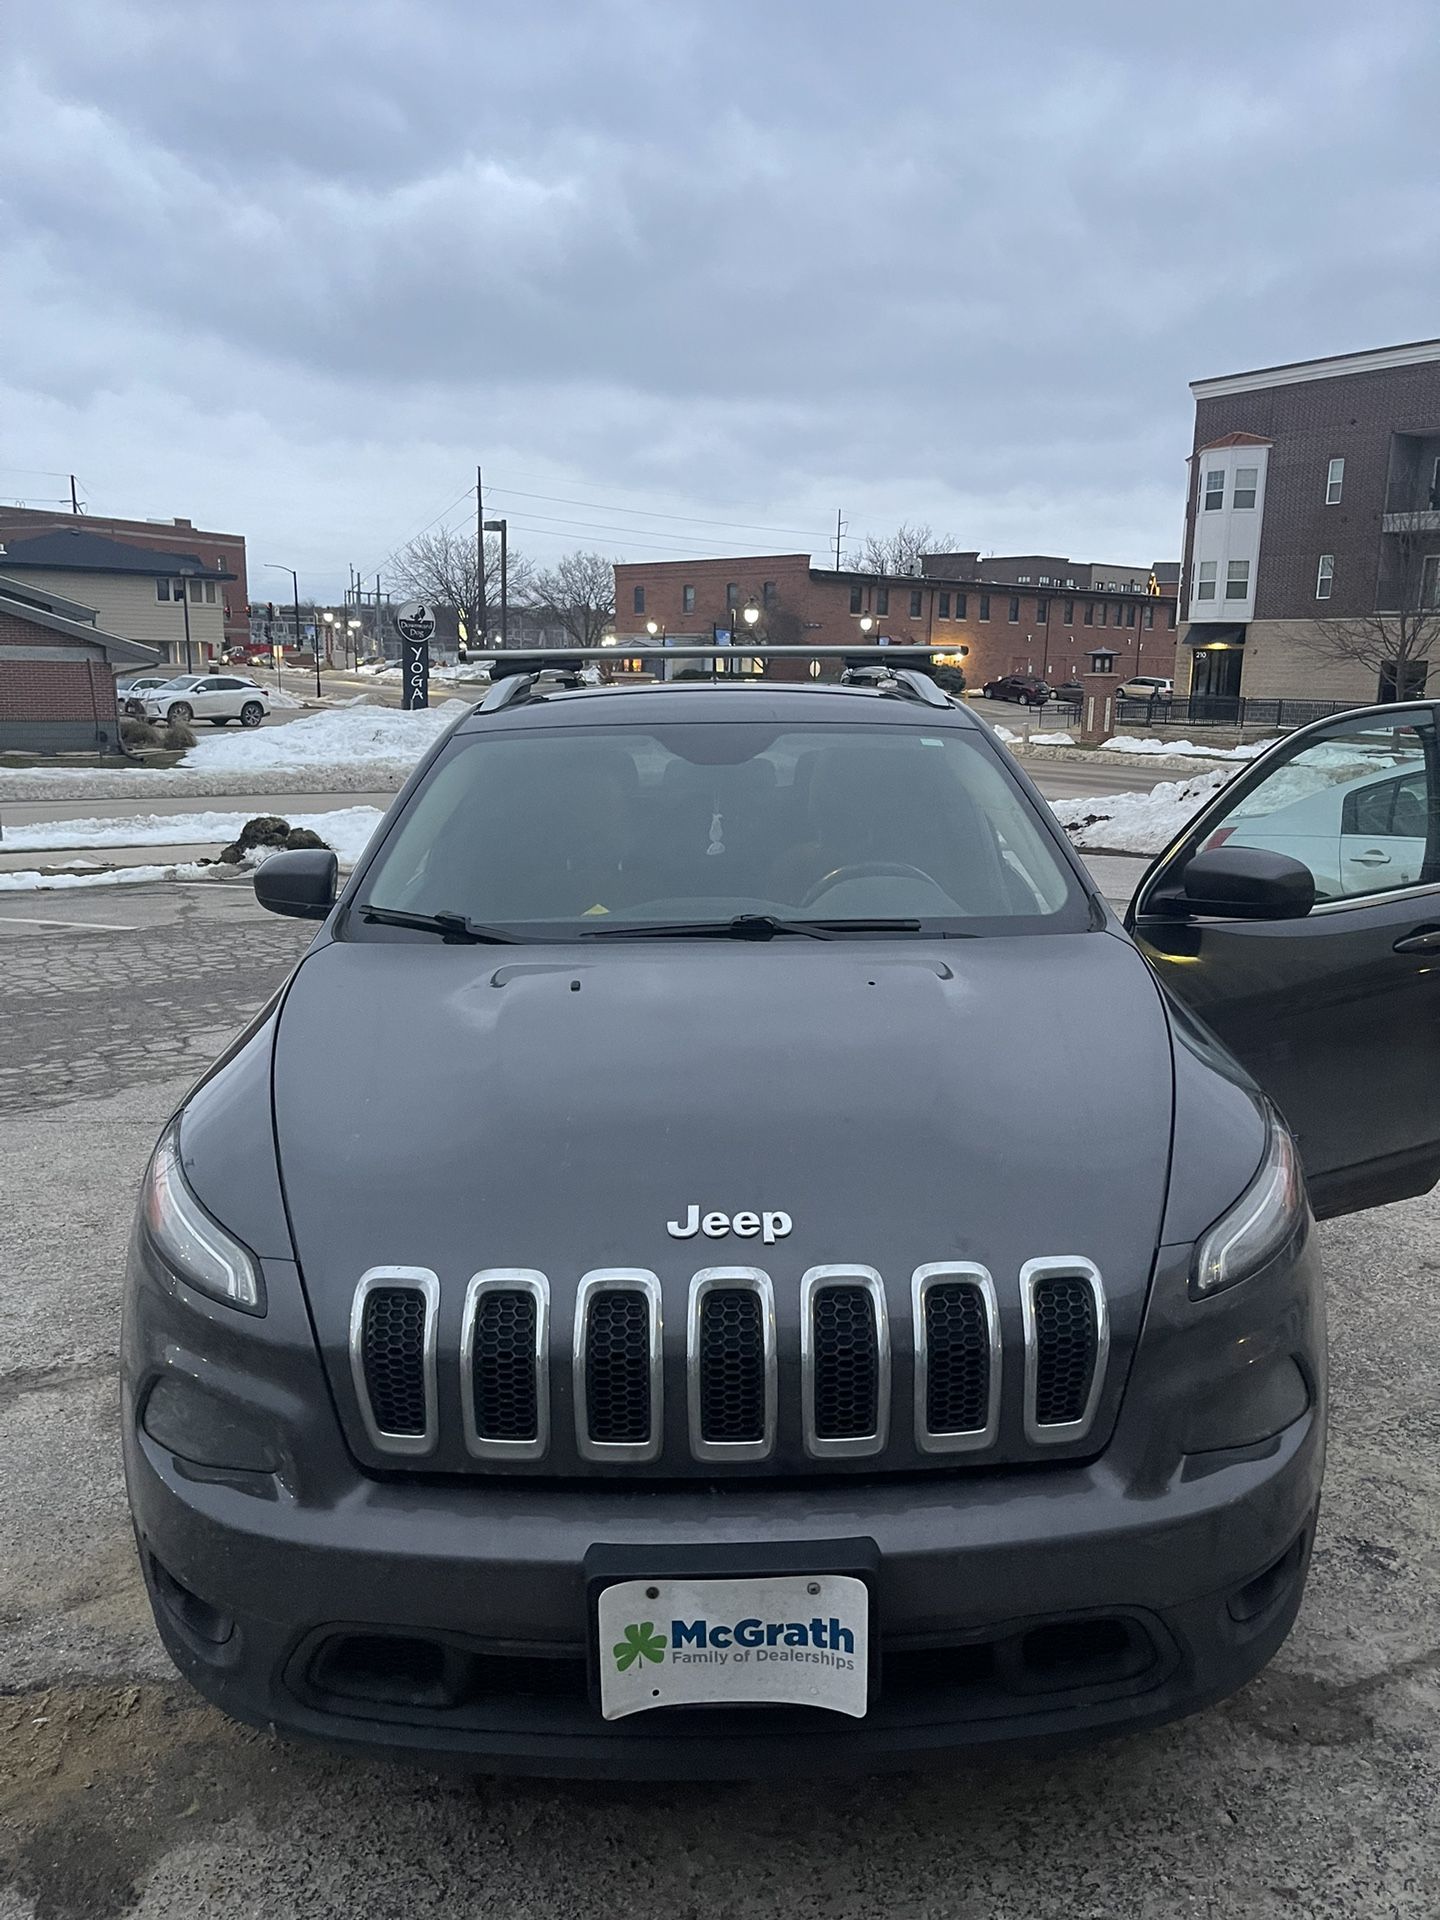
x=251, y=714
x=182, y=712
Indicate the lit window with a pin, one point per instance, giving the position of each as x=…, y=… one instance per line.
x=942, y=611
x=687, y=599
x=1334, y=483
x=1205, y=581
x=1237, y=580
x=917, y=602
x=1214, y=490
x=1014, y=606
x=1246, y=481
x=1325, y=576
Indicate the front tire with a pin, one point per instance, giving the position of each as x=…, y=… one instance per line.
x=251, y=714
x=181, y=714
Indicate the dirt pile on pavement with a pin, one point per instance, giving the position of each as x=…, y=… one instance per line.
x=270, y=831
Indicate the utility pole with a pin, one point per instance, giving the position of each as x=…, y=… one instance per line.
x=839, y=529
x=379, y=630
x=479, y=640
x=74, y=497
x=502, y=527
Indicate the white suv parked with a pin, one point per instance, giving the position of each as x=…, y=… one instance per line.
x=216, y=697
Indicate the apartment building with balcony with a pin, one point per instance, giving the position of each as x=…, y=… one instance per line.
x=1313, y=512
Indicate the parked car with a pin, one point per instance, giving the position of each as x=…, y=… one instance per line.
x=1146, y=686
x=969, y=1400
x=1359, y=835
x=1069, y=692
x=130, y=693
x=1028, y=688
x=216, y=697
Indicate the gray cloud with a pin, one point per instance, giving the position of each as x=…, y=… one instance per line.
x=292, y=270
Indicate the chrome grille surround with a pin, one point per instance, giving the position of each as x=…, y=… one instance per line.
x=850, y=1446
x=401, y=1279
x=1067, y=1267
x=727, y=1280
x=619, y=1280
x=506, y=1280
x=963, y=1273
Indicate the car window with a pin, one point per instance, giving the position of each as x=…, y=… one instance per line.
x=579, y=827
x=1354, y=804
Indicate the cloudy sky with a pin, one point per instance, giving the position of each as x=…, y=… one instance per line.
x=292, y=269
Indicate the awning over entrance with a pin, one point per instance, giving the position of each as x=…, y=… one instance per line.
x=1214, y=633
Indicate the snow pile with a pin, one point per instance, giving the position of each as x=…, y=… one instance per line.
x=350, y=738
x=113, y=877
x=1137, y=822
x=1185, y=749
x=346, y=829
x=281, y=700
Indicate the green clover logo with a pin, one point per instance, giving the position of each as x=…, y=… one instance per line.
x=641, y=1642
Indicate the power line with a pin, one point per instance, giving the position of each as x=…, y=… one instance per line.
x=551, y=523
x=647, y=513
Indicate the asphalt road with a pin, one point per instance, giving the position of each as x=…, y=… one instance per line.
x=1315, y=1792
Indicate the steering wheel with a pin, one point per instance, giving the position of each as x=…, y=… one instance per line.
x=865, y=870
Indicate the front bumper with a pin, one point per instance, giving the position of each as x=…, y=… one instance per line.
x=438, y=1617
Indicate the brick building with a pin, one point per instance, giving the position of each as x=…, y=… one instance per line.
x=1048, y=624
x=1314, y=497
x=57, y=672
x=217, y=553
x=165, y=600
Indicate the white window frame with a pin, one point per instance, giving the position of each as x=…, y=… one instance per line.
x=1325, y=576
x=1212, y=499
x=1244, y=593
x=1204, y=581
x=1253, y=489
x=1335, y=481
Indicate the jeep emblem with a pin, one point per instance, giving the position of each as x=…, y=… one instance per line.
x=770, y=1227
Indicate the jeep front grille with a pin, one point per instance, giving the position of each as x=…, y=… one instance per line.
x=392, y=1357
x=845, y=1361
x=505, y=1377
x=730, y=1364
x=957, y=1358
x=618, y=1371
x=1067, y=1340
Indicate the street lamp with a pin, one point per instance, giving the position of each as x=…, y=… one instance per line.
x=329, y=618
x=502, y=527
x=352, y=630
x=867, y=624
x=275, y=566
x=751, y=616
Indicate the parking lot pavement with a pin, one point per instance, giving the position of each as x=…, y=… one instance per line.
x=1315, y=1793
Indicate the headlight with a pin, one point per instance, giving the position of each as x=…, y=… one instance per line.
x=1265, y=1216
x=189, y=1241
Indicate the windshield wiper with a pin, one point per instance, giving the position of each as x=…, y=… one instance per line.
x=454, y=926
x=749, y=926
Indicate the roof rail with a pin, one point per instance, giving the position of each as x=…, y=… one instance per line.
x=909, y=682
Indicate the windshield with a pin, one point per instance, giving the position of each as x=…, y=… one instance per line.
x=581, y=830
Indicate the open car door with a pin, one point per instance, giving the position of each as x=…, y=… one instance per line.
x=1333, y=1007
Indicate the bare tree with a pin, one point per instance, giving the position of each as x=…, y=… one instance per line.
x=440, y=565
x=1399, y=639
x=578, y=593
x=900, y=552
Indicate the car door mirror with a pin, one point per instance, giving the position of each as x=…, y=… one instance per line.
x=1248, y=883
x=299, y=884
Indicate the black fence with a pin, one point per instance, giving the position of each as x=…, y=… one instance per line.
x=1210, y=710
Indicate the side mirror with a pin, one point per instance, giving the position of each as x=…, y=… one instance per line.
x=1247, y=883
x=300, y=884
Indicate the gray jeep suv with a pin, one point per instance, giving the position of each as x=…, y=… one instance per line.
x=725, y=1254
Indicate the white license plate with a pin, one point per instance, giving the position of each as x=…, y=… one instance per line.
x=796, y=1640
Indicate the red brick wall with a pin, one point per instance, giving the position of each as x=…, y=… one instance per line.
x=226, y=549
x=78, y=689
x=812, y=607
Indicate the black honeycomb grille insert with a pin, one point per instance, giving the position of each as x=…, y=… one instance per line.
x=502, y=1365
x=1066, y=1346
x=847, y=1363
x=617, y=1367
x=957, y=1345
x=392, y=1350
x=731, y=1362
